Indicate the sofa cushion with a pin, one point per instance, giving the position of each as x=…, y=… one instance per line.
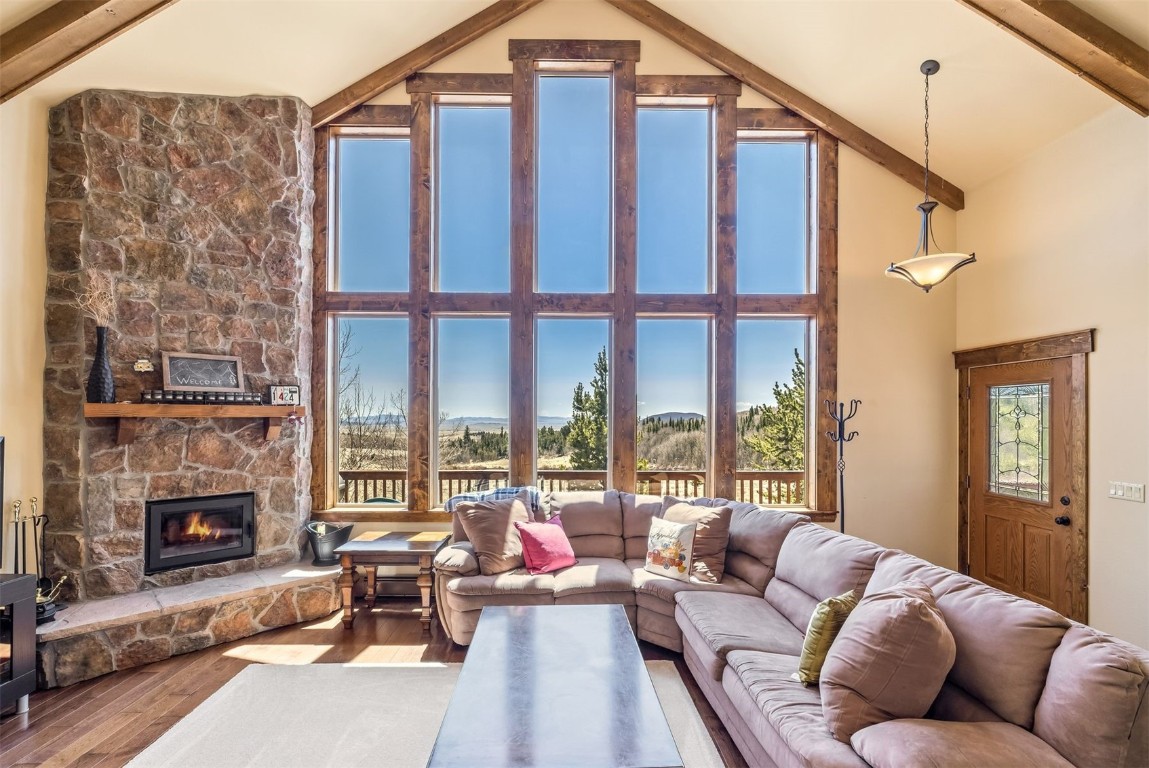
x=939, y=744
x=825, y=624
x=984, y=620
x=458, y=558
x=815, y=563
x=594, y=575
x=784, y=716
x=517, y=587
x=666, y=589
x=545, y=547
x=756, y=536
x=636, y=514
x=725, y=622
x=670, y=549
x=490, y=527
x=711, y=534
x=889, y=660
x=592, y=521
x=1089, y=707
x=457, y=532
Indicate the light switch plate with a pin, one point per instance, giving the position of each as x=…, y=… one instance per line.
x=1127, y=491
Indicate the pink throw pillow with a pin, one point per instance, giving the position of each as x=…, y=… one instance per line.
x=546, y=547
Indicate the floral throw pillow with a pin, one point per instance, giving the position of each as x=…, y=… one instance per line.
x=670, y=548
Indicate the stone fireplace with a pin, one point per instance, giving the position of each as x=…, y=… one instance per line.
x=199, y=209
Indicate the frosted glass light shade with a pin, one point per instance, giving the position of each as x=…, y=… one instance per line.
x=927, y=271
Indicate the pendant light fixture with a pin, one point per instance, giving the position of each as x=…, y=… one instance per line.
x=926, y=269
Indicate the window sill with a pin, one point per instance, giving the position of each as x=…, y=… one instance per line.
x=389, y=515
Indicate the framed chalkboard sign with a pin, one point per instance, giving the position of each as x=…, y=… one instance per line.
x=185, y=372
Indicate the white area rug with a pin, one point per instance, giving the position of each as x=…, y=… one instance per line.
x=374, y=716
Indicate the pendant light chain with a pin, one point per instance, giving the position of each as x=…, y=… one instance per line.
x=927, y=132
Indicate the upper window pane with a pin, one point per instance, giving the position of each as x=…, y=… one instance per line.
x=572, y=388
x=574, y=173
x=370, y=370
x=773, y=217
x=472, y=394
x=1019, y=441
x=373, y=218
x=771, y=403
x=474, y=199
x=673, y=403
x=673, y=200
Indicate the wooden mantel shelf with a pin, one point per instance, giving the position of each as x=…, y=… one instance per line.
x=129, y=414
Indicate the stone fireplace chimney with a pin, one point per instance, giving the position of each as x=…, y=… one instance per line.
x=199, y=208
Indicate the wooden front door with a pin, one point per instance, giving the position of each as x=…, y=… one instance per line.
x=1026, y=497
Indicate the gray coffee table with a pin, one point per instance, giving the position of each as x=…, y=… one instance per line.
x=557, y=686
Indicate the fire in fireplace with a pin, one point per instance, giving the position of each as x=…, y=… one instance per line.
x=196, y=531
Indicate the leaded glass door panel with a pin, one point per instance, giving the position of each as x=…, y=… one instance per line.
x=1020, y=500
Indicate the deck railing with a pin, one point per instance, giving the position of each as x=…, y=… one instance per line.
x=769, y=488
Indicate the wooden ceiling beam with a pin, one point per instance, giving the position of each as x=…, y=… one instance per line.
x=390, y=75
x=63, y=33
x=762, y=81
x=1098, y=54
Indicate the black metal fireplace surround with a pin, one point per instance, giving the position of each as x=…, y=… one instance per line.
x=181, y=533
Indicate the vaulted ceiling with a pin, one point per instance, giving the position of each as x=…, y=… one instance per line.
x=994, y=100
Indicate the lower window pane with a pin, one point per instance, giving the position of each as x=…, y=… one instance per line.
x=472, y=389
x=673, y=403
x=370, y=366
x=771, y=395
x=572, y=387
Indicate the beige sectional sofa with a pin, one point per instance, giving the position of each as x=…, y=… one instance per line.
x=1028, y=687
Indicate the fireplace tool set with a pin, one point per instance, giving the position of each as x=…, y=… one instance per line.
x=46, y=591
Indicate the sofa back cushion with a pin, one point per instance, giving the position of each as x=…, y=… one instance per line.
x=815, y=563
x=636, y=514
x=1004, y=643
x=1093, y=709
x=592, y=521
x=756, y=535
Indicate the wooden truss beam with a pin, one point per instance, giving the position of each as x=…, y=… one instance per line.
x=63, y=33
x=1077, y=41
x=762, y=81
x=491, y=17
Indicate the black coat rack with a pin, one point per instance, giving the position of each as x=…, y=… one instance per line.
x=840, y=437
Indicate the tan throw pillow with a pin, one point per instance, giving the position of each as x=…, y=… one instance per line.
x=668, y=549
x=824, y=626
x=490, y=527
x=888, y=662
x=710, y=538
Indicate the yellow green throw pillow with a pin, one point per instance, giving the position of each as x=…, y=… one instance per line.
x=828, y=618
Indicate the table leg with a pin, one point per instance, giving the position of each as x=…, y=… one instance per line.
x=346, y=582
x=371, y=575
x=424, y=582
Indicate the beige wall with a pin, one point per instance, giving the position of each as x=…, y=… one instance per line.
x=1063, y=244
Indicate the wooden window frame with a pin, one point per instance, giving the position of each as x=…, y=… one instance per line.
x=623, y=305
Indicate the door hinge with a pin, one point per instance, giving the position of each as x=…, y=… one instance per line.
x=967, y=482
x=968, y=394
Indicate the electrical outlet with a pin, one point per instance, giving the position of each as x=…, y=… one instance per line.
x=1127, y=491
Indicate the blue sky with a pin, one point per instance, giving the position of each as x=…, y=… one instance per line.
x=574, y=209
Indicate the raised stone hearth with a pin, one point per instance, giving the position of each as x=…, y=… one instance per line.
x=96, y=637
x=199, y=209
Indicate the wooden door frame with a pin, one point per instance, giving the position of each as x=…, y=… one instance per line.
x=1076, y=346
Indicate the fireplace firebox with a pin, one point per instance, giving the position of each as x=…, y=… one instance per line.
x=197, y=531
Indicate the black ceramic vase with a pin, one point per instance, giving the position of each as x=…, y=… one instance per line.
x=101, y=385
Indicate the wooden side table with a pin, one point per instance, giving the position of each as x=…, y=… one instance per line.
x=389, y=548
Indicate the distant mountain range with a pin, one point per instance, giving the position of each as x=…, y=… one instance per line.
x=494, y=423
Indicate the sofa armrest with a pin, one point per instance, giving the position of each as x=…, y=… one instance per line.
x=458, y=558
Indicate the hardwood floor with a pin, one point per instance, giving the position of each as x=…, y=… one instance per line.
x=107, y=721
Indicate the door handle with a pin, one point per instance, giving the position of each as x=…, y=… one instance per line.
x=1064, y=501
x=1062, y=520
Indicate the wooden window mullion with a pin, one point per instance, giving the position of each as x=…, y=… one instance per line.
x=724, y=465
x=623, y=375
x=825, y=497
x=419, y=425
x=522, y=418
x=322, y=458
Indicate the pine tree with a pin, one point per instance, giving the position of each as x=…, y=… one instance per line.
x=588, y=424
x=781, y=434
